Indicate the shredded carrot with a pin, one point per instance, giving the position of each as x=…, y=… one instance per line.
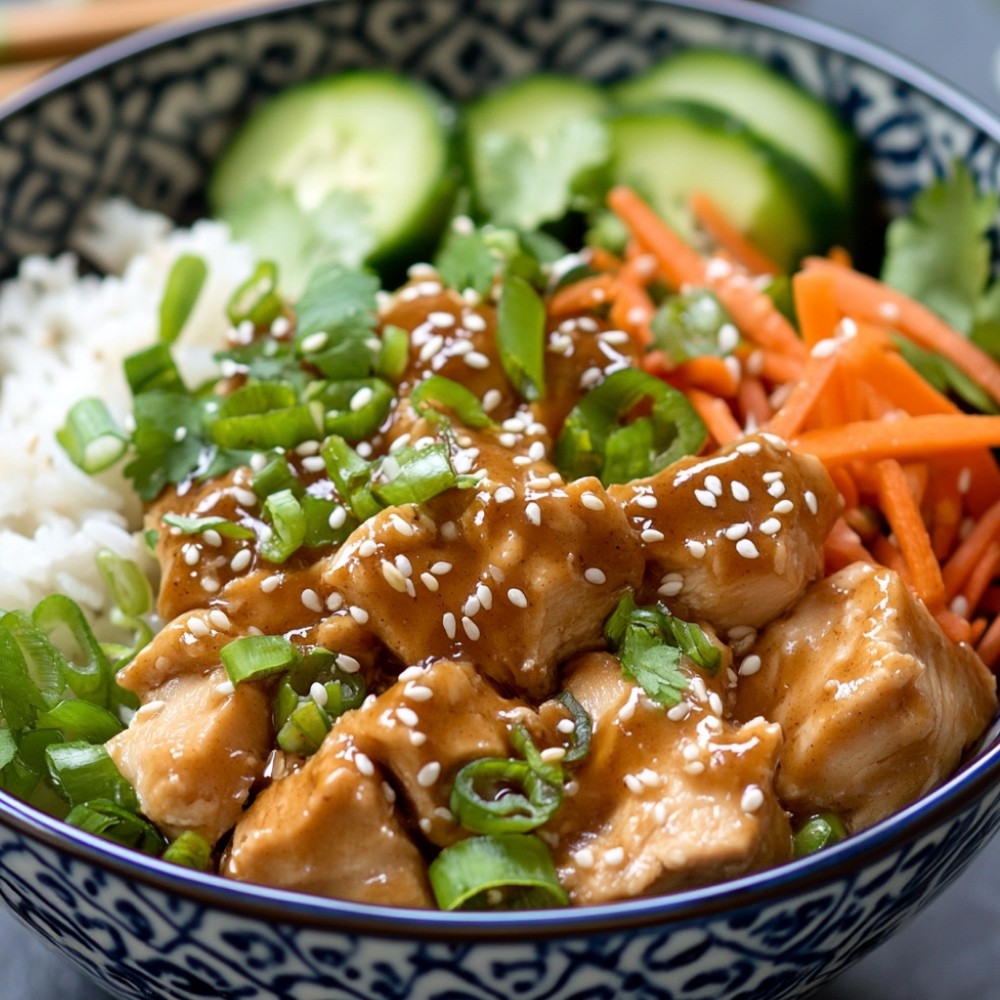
x=773, y=365
x=903, y=514
x=815, y=306
x=843, y=546
x=754, y=406
x=868, y=299
x=953, y=625
x=710, y=373
x=988, y=646
x=717, y=416
x=981, y=576
x=601, y=259
x=719, y=227
x=970, y=550
x=840, y=255
x=633, y=307
x=907, y=437
x=805, y=393
x=587, y=293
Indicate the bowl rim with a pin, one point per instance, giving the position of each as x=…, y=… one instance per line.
x=968, y=785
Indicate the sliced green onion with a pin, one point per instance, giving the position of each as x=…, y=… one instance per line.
x=128, y=586
x=819, y=831
x=353, y=408
x=341, y=691
x=107, y=819
x=81, y=720
x=191, y=850
x=582, y=728
x=592, y=442
x=550, y=771
x=288, y=526
x=33, y=746
x=199, y=525
x=88, y=672
x=153, y=368
x=305, y=728
x=351, y=476
x=184, y=284
x=32, y=670
x=91, y=437
x=85, y=771
x=453, y=396
x=496, y=795
x=276, y=475
x=521, y=336
x=691, y=324
x=502, y=871
x=265, y=415
x=318, y=512
x=254, y=657
x=257, y=299
x=415, y=475
x=695, y=644
x=394, y=353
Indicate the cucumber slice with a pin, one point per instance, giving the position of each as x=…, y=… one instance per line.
x=668, y=152
x=780, y=111
x=356, y=160
x=536, y=148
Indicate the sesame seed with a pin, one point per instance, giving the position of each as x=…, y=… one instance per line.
x=407, y=716
x=347, y=663
x=319, y=693
x=225, y=688
x=337, y=518
x=210, y=584
x=358, y=614
x=491, y=399
x=783, y=507
x=739, y=490
x=428, y=774
x=474, y=322
x=651, y=535
x=219, y=620
x=811, y=502
x=367, y=548
x=773, y=476
x=584, y=858
x=660, y=812
x=595, y=576
x=503, y=494
x=705, y=498
x=536, y=451
x=389, y=792
x=777, y=488
x=714, y=485
x=417, y=692
x=241, y=560
x=485, y=596
x=430, y=582
x=198, y=627
x=440, y=568
x=314, y=342
x=158, y=704
x=676, y=858
x=750, y=665
x=671, y=585
x=477, y=360
x=769, y=526
x=646, y=500
x=401, y=525
x=747, y=549
x=448, y=621
x=470, y=628
x=538, y=483
x=715, y=703
x=311, y=600
x=737, y=531
x=590, y=378
x=752, y=800
x=634, y=785
x=191, y=554
x=212, y=537
x=517, y=597
x=614, y=857
x=244, y=496
x=442, y=320
x=960, y=605
x=695, y=767
x=534, y=513
x=364, y=764
x=824, y=348
x=552, y=755
x=471, y=606
x=696, y=548
x=430, y=347
x=566, y=726
x=334, y=601
x=691, y=751
x=679, y=712
x=417, y=739
x=728, y=337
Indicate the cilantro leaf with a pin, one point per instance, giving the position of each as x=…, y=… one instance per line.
x=939, y=253
x=465, y=260
x=525, y=184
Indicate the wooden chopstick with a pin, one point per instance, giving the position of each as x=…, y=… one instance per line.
x=36, y=31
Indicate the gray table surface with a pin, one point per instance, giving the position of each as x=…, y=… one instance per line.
x=950, y=951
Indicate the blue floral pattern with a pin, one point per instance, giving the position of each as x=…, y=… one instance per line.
x=146, y=124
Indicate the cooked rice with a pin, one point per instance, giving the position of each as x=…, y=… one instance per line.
x=63, y=336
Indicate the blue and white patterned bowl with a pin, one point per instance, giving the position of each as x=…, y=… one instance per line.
x=144, y=118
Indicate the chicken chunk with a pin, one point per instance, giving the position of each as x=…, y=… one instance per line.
x=521, y=555
x=732, y=539
x=330, y=828
x=425, y=728
x=194, y=750
x=876, y=703
x=668, y=798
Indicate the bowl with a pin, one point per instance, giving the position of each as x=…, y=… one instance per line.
x=144, y=118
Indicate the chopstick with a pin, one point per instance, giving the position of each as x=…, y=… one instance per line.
x=30, y=32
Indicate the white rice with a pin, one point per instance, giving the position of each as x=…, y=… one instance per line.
x=63, y=336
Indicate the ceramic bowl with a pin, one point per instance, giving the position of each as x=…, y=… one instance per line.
x=144, y=118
